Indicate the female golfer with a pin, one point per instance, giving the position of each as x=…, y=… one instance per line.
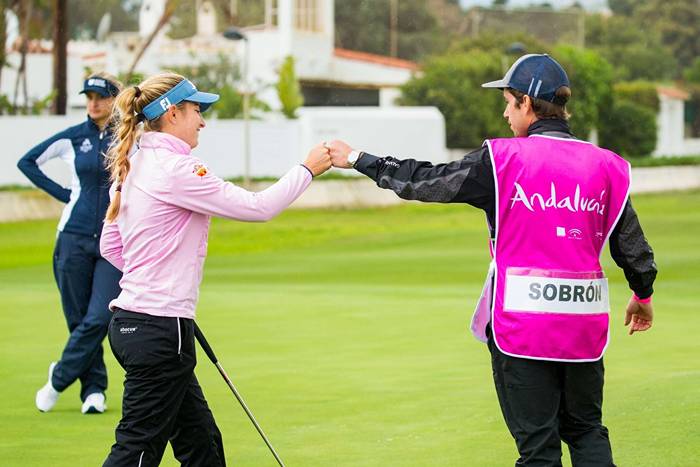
x=85, y=280
x=156, y=233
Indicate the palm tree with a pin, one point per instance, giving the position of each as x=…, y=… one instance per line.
x=170, y=6
x=60, y=56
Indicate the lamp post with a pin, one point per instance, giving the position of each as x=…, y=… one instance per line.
x=235, y=34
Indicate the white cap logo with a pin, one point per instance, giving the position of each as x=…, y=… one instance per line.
x=165, y=103
x=97, y=82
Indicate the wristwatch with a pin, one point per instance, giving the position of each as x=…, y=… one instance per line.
x=353, y=157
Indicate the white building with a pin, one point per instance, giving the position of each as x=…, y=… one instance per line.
x=672, y=139
x=304, y=29
x=329, y=78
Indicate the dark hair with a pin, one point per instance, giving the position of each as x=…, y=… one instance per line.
x=543, y=109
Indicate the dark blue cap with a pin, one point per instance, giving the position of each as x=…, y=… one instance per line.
x=101, y=86
x=182, y=91
x=538, y=76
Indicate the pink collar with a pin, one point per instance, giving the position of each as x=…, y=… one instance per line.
x=161, y=140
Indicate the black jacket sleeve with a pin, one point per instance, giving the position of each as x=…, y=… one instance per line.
x=631, y=252
x=30, y=162
x=469, y=180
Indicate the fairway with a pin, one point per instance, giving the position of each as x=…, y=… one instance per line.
x=346, y=333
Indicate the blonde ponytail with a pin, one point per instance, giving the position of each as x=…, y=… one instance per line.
x=127, y=114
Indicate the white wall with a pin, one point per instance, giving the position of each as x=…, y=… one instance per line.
x=276, y=145
x=670, y=127
x=415, y=132
x=19, y=134
x=40, y=78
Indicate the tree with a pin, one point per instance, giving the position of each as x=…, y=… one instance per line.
x=3, y=36
x=644, y=93
x=85, y=16
x=692, y=73
x=60, y=57
x=288, y=89
x=637, y=52
x=222, y=77
x=170, y=6
x=677, y=22
x=24, y=16
x=591, y=79
x=366, y=26
x=452, y=83
x=623, y=7
x=500, y=43
x=628, y=129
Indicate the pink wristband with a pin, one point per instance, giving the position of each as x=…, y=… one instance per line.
x=642, y=300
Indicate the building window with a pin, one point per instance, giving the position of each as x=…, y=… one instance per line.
x=270, y=13
x=307, y=15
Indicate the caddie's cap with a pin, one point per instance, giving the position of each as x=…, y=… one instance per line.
x=537, y=75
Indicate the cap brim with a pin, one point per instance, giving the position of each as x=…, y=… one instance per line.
x=102, y=92
x=499, y=84
x=204, y=99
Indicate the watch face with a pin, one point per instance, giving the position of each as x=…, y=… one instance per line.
x=352, y=158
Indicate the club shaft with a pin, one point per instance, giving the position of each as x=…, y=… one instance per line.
x=249, y=413
x=210, y=353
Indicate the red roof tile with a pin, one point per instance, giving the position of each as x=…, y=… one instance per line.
x=377, y=59
x=673, y=93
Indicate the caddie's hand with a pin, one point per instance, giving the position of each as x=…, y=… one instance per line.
x=340, y=151
x=318, y=160
x=639, y=316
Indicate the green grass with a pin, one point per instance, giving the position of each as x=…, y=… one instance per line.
x=663, y=161
x=346, y=332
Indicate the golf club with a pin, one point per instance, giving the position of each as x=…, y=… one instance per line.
x=210, y=353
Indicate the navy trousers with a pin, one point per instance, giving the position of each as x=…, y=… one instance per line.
x=87, y=283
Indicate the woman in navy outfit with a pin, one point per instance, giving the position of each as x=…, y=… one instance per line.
x=86, y=281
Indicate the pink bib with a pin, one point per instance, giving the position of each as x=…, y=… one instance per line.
x=557, y=202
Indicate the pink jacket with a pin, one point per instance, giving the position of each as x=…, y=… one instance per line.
x=159, y=239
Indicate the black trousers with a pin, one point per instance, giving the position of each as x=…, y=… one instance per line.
x=162, y=399
x=545, y=403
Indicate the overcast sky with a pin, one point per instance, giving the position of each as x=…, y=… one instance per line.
x=588, y=4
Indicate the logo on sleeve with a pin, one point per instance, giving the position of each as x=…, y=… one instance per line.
x=86, y=146
x=200, y=170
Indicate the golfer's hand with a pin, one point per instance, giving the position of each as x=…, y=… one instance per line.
x=318, y=160
x=638, y=316
x=340, y=151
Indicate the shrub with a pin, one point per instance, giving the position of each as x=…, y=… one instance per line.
x=629, y=129
x=452, y=83
x=643, y=93
x=288, y=89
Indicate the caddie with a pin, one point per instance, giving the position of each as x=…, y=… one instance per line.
x=551, y=203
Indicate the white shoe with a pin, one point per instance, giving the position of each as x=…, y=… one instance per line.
x=94, y=403
x=47, y=396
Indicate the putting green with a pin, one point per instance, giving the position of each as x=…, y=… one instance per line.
x=346, y=332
